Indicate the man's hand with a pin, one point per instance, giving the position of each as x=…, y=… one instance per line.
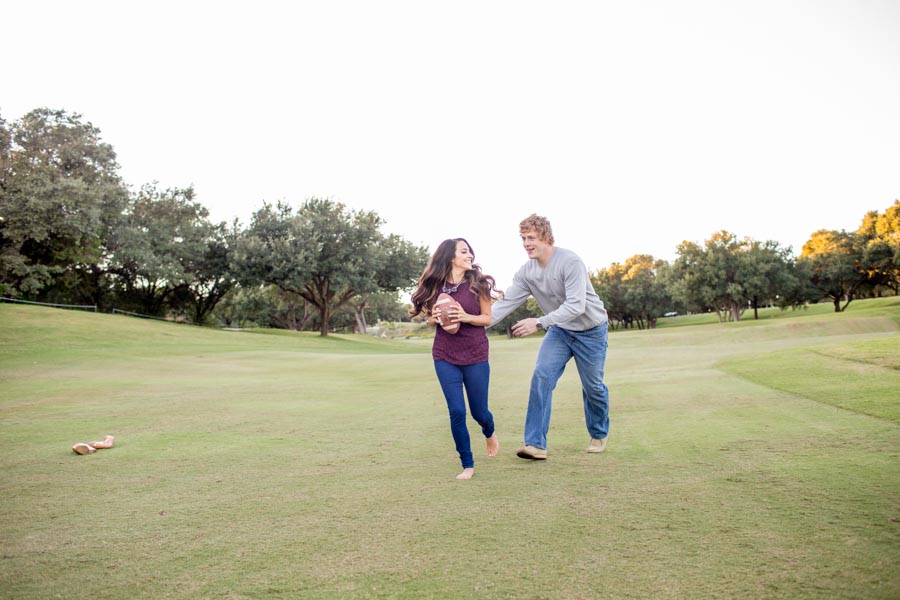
x=524, y=327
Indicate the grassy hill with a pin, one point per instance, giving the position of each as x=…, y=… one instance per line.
x=746, y=460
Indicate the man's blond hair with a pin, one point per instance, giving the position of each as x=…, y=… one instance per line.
x=540, y=225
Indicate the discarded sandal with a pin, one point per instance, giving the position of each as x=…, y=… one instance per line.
x=82, y=448
x=106, y=443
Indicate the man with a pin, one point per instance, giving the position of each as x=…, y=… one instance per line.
x=575, y=322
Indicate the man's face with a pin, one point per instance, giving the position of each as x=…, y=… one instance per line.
x=534, y=246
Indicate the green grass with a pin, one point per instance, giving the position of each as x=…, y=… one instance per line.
x=746, y=460
x=862, y=377
x=857, y=308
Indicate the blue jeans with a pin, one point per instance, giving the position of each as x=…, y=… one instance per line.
x=589, y=350
x=475, y=378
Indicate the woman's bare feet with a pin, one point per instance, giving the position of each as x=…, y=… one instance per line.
x=82, y=448
x=493, y=445
x=106, y=443
x=466, y=474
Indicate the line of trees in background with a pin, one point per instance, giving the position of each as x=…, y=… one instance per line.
x=728, y=275
x=71, y=231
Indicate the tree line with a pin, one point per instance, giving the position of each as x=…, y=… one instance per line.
x=71, y=231
x=729, y=276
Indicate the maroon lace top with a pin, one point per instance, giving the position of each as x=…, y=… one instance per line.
x=467, y=346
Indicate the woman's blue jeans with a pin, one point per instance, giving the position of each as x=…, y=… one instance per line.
x=475, y=379
x=558, y=346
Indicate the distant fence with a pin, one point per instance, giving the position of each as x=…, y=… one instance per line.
x=116, y=311
x=78, y=306
x=91, y=307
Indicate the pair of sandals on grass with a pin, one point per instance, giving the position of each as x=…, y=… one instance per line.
x=91, y=447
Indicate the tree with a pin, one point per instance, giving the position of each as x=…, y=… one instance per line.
x=206, y=274
x=245, y=306
x=611, y=290
x=386, y=306
x=60, y=196
x=764, y=269
x=832, y=259
x=325, y=254
x=264, y=306
x=728, y=274
x=270, y=253
x=394, y=259
x=667, y=277
x=633, y=293
x=798, y=290
x=165, y=243
x=706, y=276
x=880, y=236
x=358, y=314
x=645, y=296
x=527, y=310
x=5, y=145
x=271, y=250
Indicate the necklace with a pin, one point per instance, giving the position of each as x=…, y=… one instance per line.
x=450, y=290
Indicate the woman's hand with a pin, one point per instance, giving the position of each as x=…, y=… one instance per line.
x=434, y=319
x=455, y=313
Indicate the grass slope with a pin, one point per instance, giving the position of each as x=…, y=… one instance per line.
x=285, y=466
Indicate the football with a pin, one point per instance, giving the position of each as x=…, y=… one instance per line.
x=444, y=302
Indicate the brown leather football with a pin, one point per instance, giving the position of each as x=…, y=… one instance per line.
x=444, y=302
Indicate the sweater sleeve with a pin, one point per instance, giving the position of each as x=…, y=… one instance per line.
x=513, y=297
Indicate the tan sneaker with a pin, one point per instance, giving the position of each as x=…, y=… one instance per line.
x=531, y=452
x=596, y=446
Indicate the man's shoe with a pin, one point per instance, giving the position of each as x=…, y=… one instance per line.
x=596, y=446
x=532, y=452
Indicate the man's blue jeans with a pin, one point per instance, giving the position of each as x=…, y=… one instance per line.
x=475, y=379
x=589, y=350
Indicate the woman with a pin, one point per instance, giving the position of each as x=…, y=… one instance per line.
x=460, y=359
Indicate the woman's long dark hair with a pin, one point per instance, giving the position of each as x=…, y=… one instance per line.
x=438, y=271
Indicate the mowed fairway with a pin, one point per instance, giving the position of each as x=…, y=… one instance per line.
x=749, y=460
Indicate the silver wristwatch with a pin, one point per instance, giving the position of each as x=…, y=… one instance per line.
x=540, y=326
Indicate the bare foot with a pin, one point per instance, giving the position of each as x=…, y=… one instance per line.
x=493, y=445
x=106, y=443
x=82, y=448
x=466, y=474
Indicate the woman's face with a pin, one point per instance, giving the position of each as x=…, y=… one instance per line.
x=462, y=260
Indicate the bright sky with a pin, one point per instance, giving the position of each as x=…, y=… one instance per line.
x=632, y=126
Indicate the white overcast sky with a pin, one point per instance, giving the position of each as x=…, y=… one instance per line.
x=632, y=126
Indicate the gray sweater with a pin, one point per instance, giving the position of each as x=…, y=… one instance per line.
x=562, y=289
